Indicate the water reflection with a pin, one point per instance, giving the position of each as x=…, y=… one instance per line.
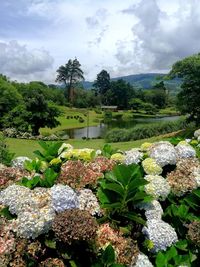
x=99, y=130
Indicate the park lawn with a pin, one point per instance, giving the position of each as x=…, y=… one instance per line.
x=65, y=123
x=23, y=147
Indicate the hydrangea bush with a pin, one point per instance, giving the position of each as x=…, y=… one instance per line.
x=81, y=207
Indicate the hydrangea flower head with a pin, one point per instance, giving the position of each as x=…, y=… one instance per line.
x=151, y=167
x=160, y=233
x=157, y=187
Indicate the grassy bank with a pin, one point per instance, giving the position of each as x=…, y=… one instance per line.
x=67, y=120
x=23, y=147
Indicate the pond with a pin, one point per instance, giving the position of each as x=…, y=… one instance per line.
x=99, y=130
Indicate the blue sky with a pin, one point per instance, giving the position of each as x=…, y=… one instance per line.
x=123, y=37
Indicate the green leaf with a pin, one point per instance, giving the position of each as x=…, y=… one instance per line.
x=133, y=216
x=108, y=255
x=50, y=177
x=50, y=243
x=160, y=260
x=182, y=245
x=6, y=213
x=114, y=187
x=116, y=205
x=171, y=253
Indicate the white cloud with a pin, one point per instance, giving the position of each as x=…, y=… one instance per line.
x=124, y=37
x=17, y=61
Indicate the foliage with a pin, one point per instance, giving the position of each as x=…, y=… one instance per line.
x=108, y=150
x=144, y=131
x=107, y=258
x=50, y=150
x=42, y=113
x=102, y=84
x=177, y=255
x=119, y=94
x=70, y=73
x=17, y=118
x=9, y=97
x=5, y=156
x=188, y=99
x=120, y=190
x=48, y=180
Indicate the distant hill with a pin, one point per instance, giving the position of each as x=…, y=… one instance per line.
x=144, y=81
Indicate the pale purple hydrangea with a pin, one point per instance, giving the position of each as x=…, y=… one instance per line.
x=160, y=233
x=63, y=198
x=133, y=156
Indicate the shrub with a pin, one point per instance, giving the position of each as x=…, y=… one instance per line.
x=5, y=156
x=145, y=131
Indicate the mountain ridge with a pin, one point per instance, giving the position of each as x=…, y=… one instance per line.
x=143, y=81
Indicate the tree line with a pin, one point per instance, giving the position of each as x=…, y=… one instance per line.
x=30, y=106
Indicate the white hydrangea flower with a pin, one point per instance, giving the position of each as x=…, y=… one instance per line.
x=32, y=224
x=32, y=207
x=142, y=261
x=63, y=198
x=185, y=151
x=198, y=139
x=196, y=173
x=88, y=201
x=63, y=147
x=163, y=152
x=133, y=156
x=98, y=152
x=160, y=233
x=13, y=197
x=151, y=167
x=157, y=186
x=153, y=210
x=197, y=133
x=19, y=162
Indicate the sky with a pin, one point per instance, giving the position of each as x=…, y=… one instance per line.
x=123, y=37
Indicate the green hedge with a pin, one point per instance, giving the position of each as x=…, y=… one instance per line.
x=145, y=131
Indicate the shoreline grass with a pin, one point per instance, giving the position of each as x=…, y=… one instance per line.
x=23, y=147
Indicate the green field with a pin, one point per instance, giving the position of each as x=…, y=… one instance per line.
x=22, y=147
x=90, y=115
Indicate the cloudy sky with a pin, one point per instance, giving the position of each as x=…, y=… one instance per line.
x=123, y=37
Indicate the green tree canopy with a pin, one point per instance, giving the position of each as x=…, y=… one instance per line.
x=70, y=74
x=189, y=97
x=9, y=96
x=120, y=93
x=102, y=84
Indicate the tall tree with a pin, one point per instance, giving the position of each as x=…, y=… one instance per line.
x=70, y=74
x=189, y=98
x=102, y=84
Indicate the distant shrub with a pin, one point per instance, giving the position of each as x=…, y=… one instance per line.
x=145, y=131
x=5, y=156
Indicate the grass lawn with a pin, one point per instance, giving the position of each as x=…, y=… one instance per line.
x=70, y=123
x=22, y=147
